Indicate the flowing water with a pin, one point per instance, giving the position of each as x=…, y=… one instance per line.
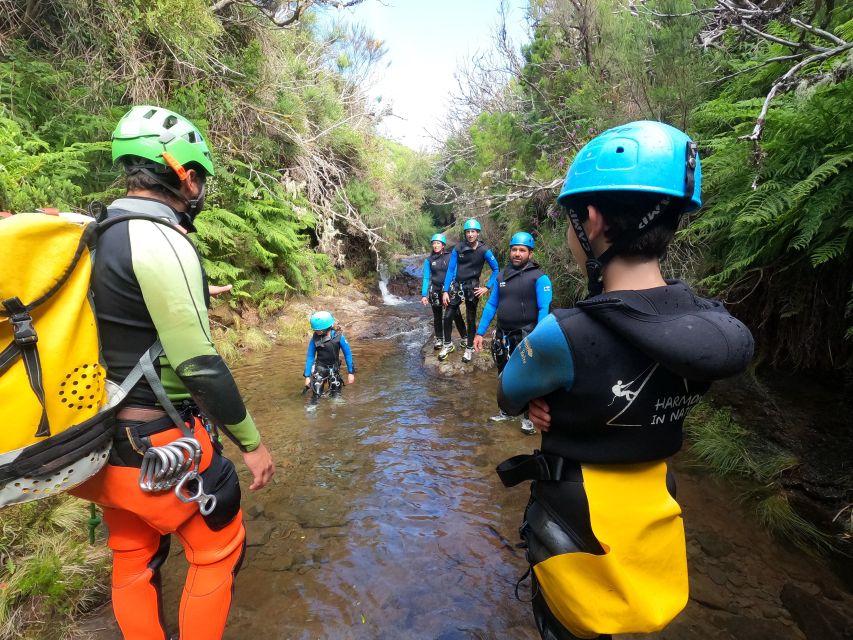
x=386, y=519
x=385, y=515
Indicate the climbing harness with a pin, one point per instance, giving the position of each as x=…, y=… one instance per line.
x=175, y=465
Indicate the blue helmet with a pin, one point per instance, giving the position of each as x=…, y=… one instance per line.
x=470, y=223
x=322, y=320
x=645, y=156
x=521, y=238
x=439, y=237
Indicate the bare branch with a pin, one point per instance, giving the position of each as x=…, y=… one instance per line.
x=782, y=82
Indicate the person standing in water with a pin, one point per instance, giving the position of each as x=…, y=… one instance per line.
x=521, y=299
x=435, y=269
x=462, y=283
x=323, y=361
x=609, y=382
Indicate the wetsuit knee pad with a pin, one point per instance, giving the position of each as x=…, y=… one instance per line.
x=220, y=480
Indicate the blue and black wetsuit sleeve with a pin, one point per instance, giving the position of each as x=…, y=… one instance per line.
x=544, y=296
x=489, y=311
x=425, y=285
x=493, y=263
x=309, y=359
x=451, y=270
x=347, y=355
x=540, y=364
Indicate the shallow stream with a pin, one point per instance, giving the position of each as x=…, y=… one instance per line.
x=386, y=519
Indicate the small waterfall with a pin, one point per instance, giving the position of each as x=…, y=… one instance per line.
x=387, y=297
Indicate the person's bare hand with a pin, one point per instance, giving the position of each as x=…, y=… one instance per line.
x=261, y=466
x=350, y=378
x=445, y=298
x=478, y=343
x=424, y=300
x=539, y=413
x=481, y=291
x=216, y=289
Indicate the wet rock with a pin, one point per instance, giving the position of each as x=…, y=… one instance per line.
x=744, y=628
x=717, y=575
x=254, y=511
x=454, y=367
x=817, y=619
x=258, y=533
x=222, y=314
x=708, y=593
x=713, y=544
x=737, y=578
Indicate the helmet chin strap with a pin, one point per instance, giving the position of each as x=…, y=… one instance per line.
x=595, y=265
x=193, y=205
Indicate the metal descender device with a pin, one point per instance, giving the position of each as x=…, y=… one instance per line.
x=175, y=465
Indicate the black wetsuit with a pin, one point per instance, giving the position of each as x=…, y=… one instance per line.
x=435, y=270
x=619, y=373
x=521, y=299
x=463, y=277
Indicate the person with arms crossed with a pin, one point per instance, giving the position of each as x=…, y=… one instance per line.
x=521, y=299
x=609, y=382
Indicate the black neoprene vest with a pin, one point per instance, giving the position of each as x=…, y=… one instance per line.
x=469, y=262
x=438, y=263
x=124, y=323
x=328, y=351
x=623, y=407
x=517, y=306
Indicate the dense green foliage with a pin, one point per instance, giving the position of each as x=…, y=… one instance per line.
x=292, y=134
x=49, y=573
x=774, y=237
x=730, y=449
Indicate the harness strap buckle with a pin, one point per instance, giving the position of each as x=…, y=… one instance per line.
x=22, y=322
x=23, y=330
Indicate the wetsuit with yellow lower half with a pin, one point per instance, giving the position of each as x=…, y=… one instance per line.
x=603, y=530
x=149, y=284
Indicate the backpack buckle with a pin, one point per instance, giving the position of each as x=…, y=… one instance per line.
x=23, y=330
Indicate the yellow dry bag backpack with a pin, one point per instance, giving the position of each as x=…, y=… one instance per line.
x=57, y=405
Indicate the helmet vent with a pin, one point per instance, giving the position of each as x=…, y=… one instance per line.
x=170, y=122
x=620, y=149
x=191, y=137
x=150, y=114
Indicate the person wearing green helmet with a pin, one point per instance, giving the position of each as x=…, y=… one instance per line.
x=609, y=383
x=435, y=268
x=151, y=289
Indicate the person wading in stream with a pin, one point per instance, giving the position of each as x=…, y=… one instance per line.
x=323, y=361
x=462, y=283
x=609, y=383
x=151, y=290
x=521, y=300
x=435, y=269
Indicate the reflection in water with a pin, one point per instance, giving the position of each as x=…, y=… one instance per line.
x=387, y=520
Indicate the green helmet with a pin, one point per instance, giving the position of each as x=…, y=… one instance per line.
x=149, y=132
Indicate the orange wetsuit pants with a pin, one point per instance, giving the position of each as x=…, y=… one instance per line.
x=139, y=526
